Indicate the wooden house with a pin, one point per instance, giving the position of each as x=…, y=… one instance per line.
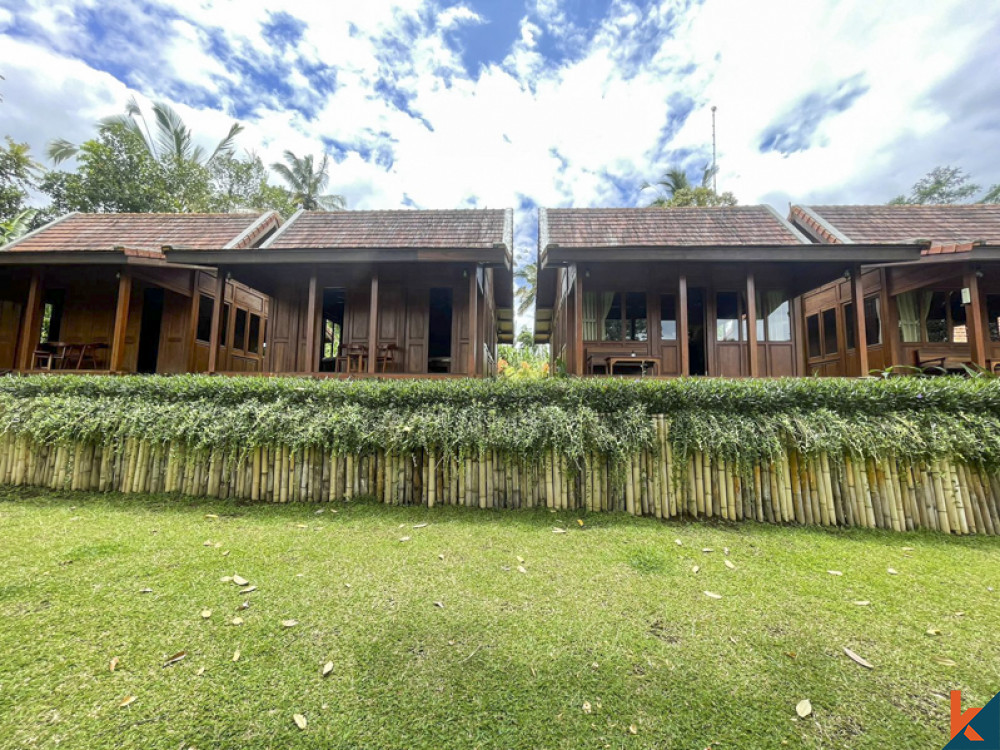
x=665, y=291
x=386, y=293
x=95, y=292
x=941, y=310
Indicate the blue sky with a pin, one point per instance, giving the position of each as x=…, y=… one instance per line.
x=497, y=103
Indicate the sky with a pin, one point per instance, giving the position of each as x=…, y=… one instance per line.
x=528, y=103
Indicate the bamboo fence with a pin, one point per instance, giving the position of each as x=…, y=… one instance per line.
x=887, y=492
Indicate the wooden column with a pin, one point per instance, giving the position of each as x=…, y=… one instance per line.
x=373, y=324
x=891, y=344
x=753, y=355
x=859, y=323
x=682, y=324
x=192, y=346
x=974, y=320
x=578, y=322
x=31, y=323
x=217, y=303
x=121, y=320
x=473, y=323
x=312, y=312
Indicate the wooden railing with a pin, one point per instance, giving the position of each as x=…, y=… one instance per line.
x=821, y=489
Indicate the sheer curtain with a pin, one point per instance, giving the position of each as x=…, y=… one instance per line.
x=607, y=300
x=590, y=304
x=913, y=306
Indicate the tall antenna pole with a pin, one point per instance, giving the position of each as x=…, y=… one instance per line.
x=715, y=187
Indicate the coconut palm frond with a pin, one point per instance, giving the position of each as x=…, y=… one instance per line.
x=60, y=150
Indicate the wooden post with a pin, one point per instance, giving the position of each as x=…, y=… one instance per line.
x=578, y=322
x=682, y=323
x=217, y=303
x=473, y=322
x=859, y=323
x=373, y=324
x=311, y=314
x=752, y=352
x=121, y=320
x=32, y=322
x=890, y=323
x=974, y=320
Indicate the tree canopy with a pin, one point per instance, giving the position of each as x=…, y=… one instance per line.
x=674, y=189
x=945, y=184
x=307, y=181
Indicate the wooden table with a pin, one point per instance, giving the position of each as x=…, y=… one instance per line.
x=643, y=362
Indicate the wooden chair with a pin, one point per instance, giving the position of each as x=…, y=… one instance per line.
x=386, y=357
x=91, y=356
x=357, y=357
x=50, y=355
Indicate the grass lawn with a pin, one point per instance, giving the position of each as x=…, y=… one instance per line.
x=603, y=638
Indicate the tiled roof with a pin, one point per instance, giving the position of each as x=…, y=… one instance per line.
x=364, y=230
x=144, y=232
x=665, y=227
x=948, y=228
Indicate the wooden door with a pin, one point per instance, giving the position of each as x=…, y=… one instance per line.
x=174, y=327
x=10, y=323
x=417, y=312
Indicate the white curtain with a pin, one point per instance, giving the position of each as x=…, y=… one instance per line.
x=913, y=306
x=773, y=310
x=590, y=304
x=607, y=300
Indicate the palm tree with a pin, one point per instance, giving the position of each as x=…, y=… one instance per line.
x=17, y=226
x=674, y=181
x=307, y=182
x=170, y=142
x=526, y=294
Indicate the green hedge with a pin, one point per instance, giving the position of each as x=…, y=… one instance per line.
x=746, y=421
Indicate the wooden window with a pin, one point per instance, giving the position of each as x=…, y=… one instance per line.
x=668, y=317
x=253, y=343
x=931, y=316
x=204, y=332
x=993, y=315
x=224, y=325
x=728, y=317
x=615, y=316
x=240, y=330
x=830, y=331
x=812, y=335
x=873, y=322
x=774, y=316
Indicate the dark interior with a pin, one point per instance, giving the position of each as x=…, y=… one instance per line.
x=439, y=331
x=149, y=329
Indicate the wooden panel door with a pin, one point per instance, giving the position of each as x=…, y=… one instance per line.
x=10, y=323
x=417, y=312
x=172, y=356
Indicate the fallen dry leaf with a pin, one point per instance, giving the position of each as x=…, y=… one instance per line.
x=580, y=521
x=200, y=672
x=207, y=543
x=226, y=553
x=211, y=515
x=236, y=621
x=327, y=668
x=713, y=595
x=862, y=603
x=730, y=565
x=858, y=659
x=248, y=590
x=301, y=526
x=439, y=605
x=174, y=659
x=945, y=662
x=803, y=708
x=145, y=591
x=113, y=664
x=835, y=572
x=300, y=721
x=790, y=654
x=706, y=550
x=236, y=655
x=633, y=729
x=226, y=579
x=240, y=581
x=217, y=545
x=206, y=613
x=907, y=549
x=243, y=606
x=678, y=542
x=127, y=701
x=586, y=707
x=695, y=569
x=420, y=526
x=289, y=623
x=404, y=539
x=892, y=572
x=933, y=631
x=440, y=557
x=557, y=530
x=725, y=551
x=521, y=569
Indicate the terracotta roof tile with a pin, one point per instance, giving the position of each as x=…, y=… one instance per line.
x=138, y=232
x=949, y=228
x=471, y=229
x=665, y=227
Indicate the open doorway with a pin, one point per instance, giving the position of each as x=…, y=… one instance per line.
x=334, y=304
x=149, y=329
x=697, y=360
x=439, y=331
